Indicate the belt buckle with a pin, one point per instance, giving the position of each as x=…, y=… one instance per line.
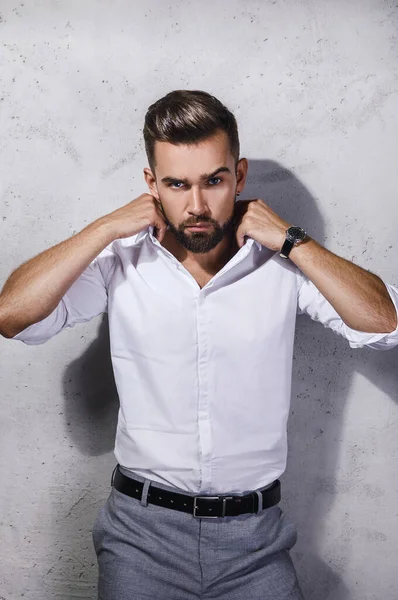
x=195, y=506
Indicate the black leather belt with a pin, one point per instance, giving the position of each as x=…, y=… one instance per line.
x=204, y=507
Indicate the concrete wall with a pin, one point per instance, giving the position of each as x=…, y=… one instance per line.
x=314, y=86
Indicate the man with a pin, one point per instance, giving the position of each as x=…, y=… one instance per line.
x=202, y=296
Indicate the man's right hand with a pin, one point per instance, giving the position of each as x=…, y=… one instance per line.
x=135, y=216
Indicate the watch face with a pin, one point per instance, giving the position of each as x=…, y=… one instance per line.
x=296, y=234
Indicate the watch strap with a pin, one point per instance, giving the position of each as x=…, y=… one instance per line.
x=287, y=246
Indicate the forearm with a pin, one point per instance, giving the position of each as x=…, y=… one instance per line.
x=358, y=296
x=35, y=288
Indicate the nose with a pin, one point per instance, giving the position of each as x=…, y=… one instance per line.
x=198, y=204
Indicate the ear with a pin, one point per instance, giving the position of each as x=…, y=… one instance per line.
x=151, y=183
x=241, y=173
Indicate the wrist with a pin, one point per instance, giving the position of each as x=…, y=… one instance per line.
x=294, y=236
x=295, y=251
x=105, y=229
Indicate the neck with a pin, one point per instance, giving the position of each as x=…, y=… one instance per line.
x=209, y=262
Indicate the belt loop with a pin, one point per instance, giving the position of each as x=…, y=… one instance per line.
x=260, y=500
x=113, y=474
x=144, y=497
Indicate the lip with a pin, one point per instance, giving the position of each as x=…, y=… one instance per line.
x=199, y=226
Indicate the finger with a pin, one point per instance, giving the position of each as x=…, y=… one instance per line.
x=161, y=227
x=240, y=236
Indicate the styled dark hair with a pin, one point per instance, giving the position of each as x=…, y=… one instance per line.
x=186, y=117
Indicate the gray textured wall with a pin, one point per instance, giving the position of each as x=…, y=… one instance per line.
x=314, y=88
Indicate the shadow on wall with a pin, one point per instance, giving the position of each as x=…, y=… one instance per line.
x=91, y=399
x=317, y=412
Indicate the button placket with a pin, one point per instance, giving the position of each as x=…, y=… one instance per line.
x=203, y=397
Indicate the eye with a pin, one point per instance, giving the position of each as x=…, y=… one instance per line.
x=179, y=183
x=212, y=178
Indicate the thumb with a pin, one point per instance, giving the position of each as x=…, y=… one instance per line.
x=160, y=230
x=240, y=236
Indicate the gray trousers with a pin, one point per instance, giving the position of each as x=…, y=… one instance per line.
x=148, y=552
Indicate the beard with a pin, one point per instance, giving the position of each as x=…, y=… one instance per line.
x=201, y=241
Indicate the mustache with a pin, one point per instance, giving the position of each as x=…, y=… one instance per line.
x=203, y=220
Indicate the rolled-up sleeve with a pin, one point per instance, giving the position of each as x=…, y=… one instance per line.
x=86, y=298
x=313, y=303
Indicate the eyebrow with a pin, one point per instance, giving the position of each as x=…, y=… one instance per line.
x=202, y=177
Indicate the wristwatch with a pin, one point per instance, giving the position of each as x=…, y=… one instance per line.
x=294, y=237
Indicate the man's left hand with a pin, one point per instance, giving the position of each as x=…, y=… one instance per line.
x=255, y=219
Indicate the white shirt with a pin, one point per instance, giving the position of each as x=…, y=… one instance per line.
x=203, y=375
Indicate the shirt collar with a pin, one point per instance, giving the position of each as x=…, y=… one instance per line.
x=150, y=229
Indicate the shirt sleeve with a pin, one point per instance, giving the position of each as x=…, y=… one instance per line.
x=86, y=298
x=312, y=302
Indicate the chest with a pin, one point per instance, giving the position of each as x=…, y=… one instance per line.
x=160, y=311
